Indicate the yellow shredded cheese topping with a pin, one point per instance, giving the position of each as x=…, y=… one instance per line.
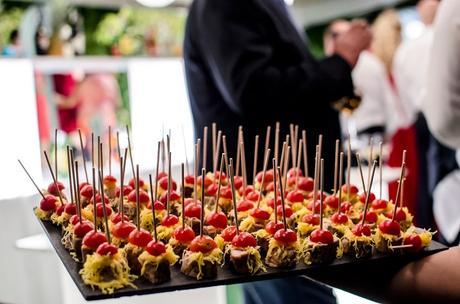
x=214, y=257
x=146, y=258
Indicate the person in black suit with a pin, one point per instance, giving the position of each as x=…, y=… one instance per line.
x=246, y=64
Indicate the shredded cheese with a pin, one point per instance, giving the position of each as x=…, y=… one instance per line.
x=214, y=257
x=146, y=258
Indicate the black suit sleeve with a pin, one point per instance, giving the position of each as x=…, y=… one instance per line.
x=239, y=48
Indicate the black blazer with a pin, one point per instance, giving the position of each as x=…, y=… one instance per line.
x=246, y=64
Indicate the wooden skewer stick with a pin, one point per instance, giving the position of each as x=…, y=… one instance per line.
x=216, y=155
x=320, y=145
x=296, y=140
x=101, y=151
x=305, y=154
x=130, y=150
x=401, y=200
x=168, y=194
x=110, y=150
x=182, y=195
x=400, y=246
x=380, y=170
x=77, y=195
x=282, y=199
x=277, y=139
x=92, y=150
x=360, y=168
x=163, y=155
x=232, y=182
x=118, y=145
x=205, y=147
x=368, y=193
x=219, y=182
x=340, y=182
x=286, y=165
x=82, y=148
x=321, y=196
x=203, y=174
x=185, y=150
x=275, y=188
x=238, y=152
x=297, y=169
x=32, y=180
x=315, y=179
x=157, y=173
x=138, y=204
x=336, y=163
x=56, y=153
x=94, y=199
x=104, y=211
x=154, y=220
x=348, y=167
x=398, y=191
x=54, y=178
x=243, y=168
x=283, y=153
x=264, y=170
x=70, y=172
x=214, y=146
x=267, y=139
x=256, y=151
x=120, y=203
x=224, y=146
x=371, y=157
x=293, y=144
x=197, y=157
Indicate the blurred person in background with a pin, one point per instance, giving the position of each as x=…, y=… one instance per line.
x=398, y=128
x=247, y=64
x=441, y=107
x=410, y=69
x=13, y=48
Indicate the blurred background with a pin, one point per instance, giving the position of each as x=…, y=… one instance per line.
x=86, y=64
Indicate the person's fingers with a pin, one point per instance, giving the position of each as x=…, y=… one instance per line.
x=359, y=23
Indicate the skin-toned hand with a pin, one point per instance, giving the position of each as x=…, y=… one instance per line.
x=350, y=44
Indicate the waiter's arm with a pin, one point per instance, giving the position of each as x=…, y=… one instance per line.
x=239, y=49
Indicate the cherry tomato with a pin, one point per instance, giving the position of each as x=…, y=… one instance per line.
x=268, y=176
x=400, y=215
x=260, y=214
x=74, y=219
x=107, y=249
x=53, y=188
x=157, y=205
x=163, y=183
x=295, y=196
x=287, y=210
x=273, y=227
x=218, y=220
x=253, y=196
x=285, y=236
x=317, y=206
x=109, y=179
x=244, y=239
x=322, y=236
x=294, y=172
x=126, y=190
x=371, y=217
x=345, y=207
x=362, y=197
x=99, y=198
x=184, y=235
x=100, y=211
x=70, y=209
x=189, y=180
x=339, y=218
x=139, y=237
x=170, y=220
x=244, y=205
x=211, y=190
x=238, y=180
x=379, y=204
x=122, y=230
x=87, y=191
x=305, y=184
x=312, y=219
x=60, y=209
x=271, y=202
x=117, y=218
x=332, y=201
x=82, y=228
x=49, y=203
x=228, y=233
x=202, y=244
x=132, y=183
x=226, y=193
x=93, y=239
x=193, y=210
x=353, y=189
x=172, y=198
x=143, y=197
x=360, y=230
x=390, y=227
x=207, y=181
x=155, y=248
x=82, y=185
x=162, y=174
x=415, y=241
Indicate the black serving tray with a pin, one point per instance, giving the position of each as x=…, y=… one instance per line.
x=225, y=276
